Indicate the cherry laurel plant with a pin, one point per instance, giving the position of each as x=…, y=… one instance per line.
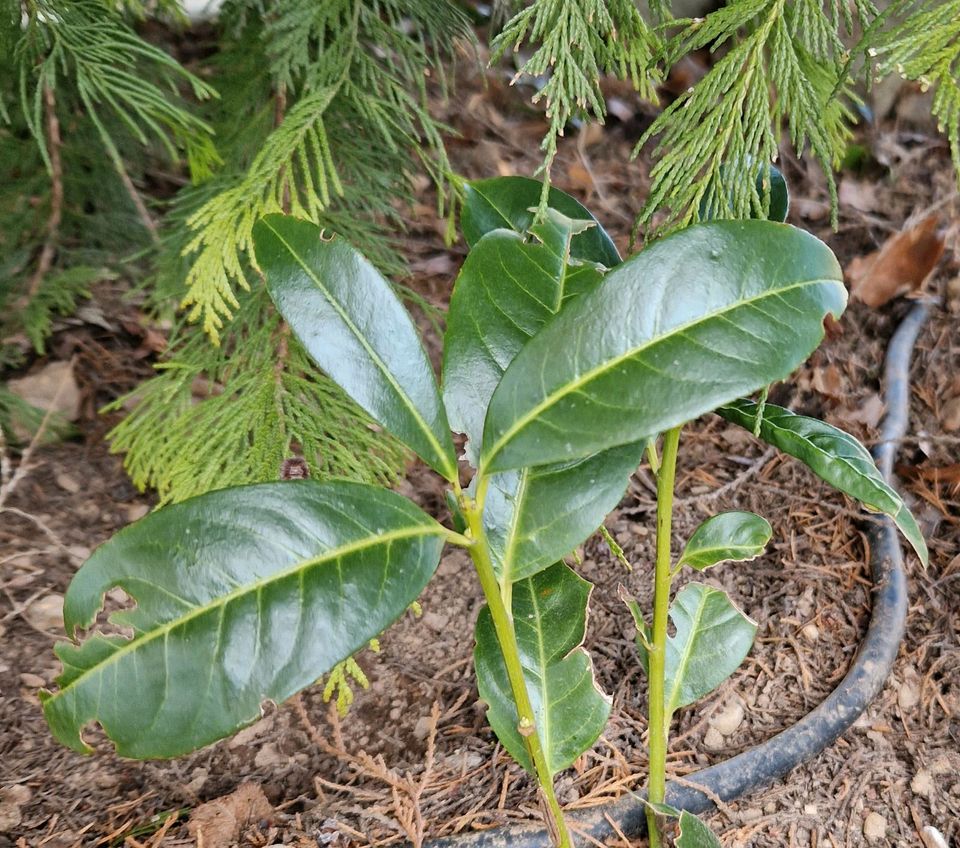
x=562, y=366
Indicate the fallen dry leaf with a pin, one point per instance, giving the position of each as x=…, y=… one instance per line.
x=859, y=194
x=900, y=266
x=220, y=823
x=829, y=381
x=950, y=415
x=52, y=387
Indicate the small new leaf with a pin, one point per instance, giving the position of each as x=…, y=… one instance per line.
x=726, y=537
x=712, y=638
x=510, y=203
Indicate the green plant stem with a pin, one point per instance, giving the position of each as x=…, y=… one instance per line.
x=656, y=707
x=502, y=617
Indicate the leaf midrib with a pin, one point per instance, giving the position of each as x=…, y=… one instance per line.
x=449, y=470
x=610, y=364
x=247, y=588
x=686, y=654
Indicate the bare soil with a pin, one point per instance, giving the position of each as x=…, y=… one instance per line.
x=414, y=756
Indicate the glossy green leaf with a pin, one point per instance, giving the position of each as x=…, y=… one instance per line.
x=834, y=456
x=711, y=640
x=697, y=319
x=726, y=537
x=537, y=515
x=776, y=186
x=694, y=833
x=507, y=290
x=353, y=325
x=550, y=616
x=507, y=203
x=242, y=596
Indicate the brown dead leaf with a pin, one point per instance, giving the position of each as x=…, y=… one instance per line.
x=220, y=823
x=900, y=266
x=859, y=194
x=580, y=179
x=950, y=415
x=829, y=381
x=52, y=387
x=869, y=413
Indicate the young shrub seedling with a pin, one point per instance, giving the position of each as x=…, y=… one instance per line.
x=561, y=366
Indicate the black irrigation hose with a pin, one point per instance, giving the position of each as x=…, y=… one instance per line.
x=817, y=730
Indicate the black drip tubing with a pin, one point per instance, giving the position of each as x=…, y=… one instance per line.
x=820, y=728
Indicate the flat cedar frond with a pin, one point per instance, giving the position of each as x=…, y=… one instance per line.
x=220, y=417
x=782, y=67
x=924, y=46
x=578, y=41
x=89, y=43
x=360, y=81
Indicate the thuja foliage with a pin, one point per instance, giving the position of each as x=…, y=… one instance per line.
x=316, y=108
x=562, y=366
x=782, y=70
x=320, y=109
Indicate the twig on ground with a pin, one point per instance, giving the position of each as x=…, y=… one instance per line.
x=45, y=262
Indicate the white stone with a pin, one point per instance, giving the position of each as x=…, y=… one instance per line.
x=874, y=827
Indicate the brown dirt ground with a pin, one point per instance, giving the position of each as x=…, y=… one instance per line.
x=389, y=769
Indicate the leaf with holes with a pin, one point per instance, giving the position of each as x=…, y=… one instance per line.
x=696, y=320
x=712, y=638
x=550, y=616
x=353, y=325
x=265, y=589
x=726, y=537
x=508, y=203
x=834, y=456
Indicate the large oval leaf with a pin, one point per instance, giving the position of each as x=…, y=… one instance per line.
x=550, y=615
x=508, y=203
x=834, y=456
x=353, y=325
x=726, y=537
x=696, y=320
x=711, y=640
x=506, y=291
x=242, y=595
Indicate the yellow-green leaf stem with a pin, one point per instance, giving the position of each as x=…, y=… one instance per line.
x=507, y=639
x=658, y=729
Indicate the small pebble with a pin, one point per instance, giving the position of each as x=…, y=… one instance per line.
x=32, y=681
x=422, y=728
x=46, y=613
x=67, y=483
x=729, y=719
x=136, y=511
x=950, y=415
x=922, y=783
x=79, y=552
x=811, y=810
x=909, y=695
x=874, y=827
x=810, y=632
x=713, y=739
x=436, y=621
